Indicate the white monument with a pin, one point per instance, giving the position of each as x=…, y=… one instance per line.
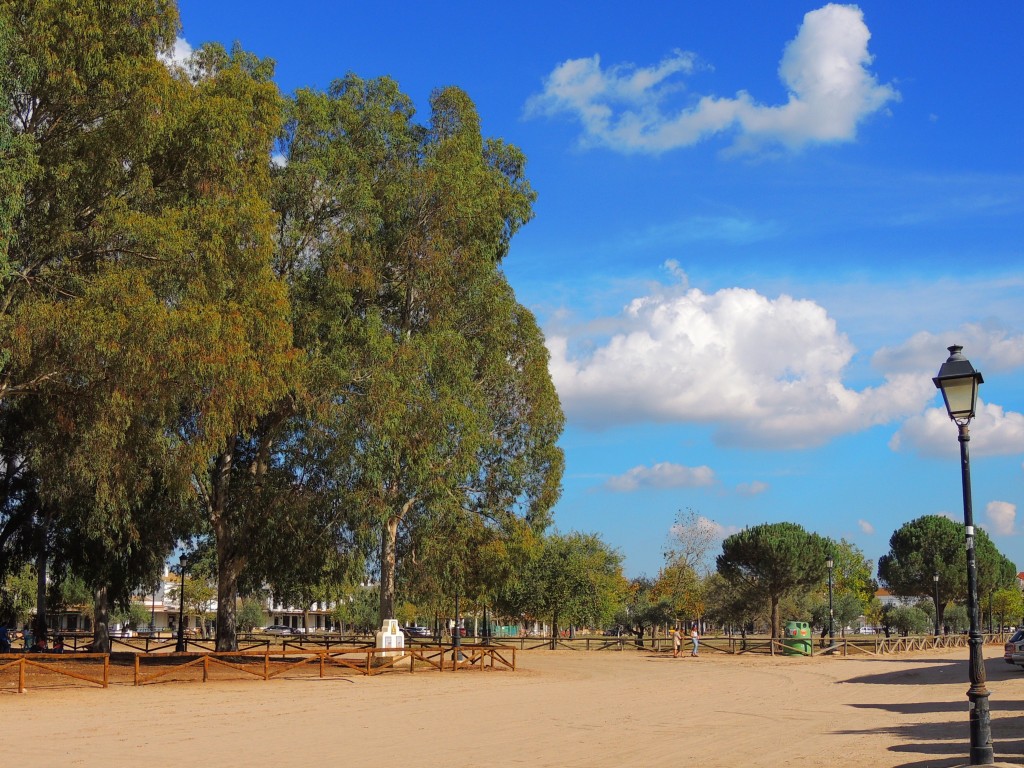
x=391, y=637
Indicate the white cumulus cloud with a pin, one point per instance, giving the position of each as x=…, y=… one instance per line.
x=987, y=348
x=994, y=432
x=662, y=475
x=825, y=69
x=765, y=371
x=1002, y=515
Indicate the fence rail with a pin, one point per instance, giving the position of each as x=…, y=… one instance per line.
x=40, y=661
x=261, y=660
x=737, y=645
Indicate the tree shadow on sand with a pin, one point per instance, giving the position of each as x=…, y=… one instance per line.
x=947, y=743
x=938, y=671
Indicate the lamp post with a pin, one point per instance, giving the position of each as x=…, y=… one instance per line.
x=959, y=382
x=179, y=647
x=456, y=630
x=828, y=564
x=935, y=578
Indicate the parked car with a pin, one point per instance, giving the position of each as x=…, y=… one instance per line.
x=1013, y=651
x=277, y=629
x=413, y=631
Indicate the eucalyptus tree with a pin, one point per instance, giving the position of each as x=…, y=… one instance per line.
x=416, y=350
x=151, y=331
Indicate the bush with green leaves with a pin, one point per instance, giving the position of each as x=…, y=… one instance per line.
x=908, y=620
x=250, y=615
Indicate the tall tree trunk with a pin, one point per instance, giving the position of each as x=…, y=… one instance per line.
x=388, y=546
x=41, y=627
x=775, y=618
x=101, y=621
x=230, y=561
x=388, y=558
x=229, y=566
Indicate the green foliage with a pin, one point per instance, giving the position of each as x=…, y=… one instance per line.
x=573, y=578
x=644, y=608
x=146, y=318
x=935, y=545
x=358, y=610
x=732, y=604
x=1008, y=605
x=199, y=595
x=995, y=571
x=250, y=615
x=18, y=596
x=296, y=366
x=847, y=607
x=771, y=561
x=918, y=550
x=852, y=572
x=70, y=593
x=416, y=352
x=907, y=620
x=955, y=617
x=684, y=591
x=134, y=615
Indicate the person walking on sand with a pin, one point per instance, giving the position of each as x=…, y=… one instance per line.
x=695, y=636
x=677, y=641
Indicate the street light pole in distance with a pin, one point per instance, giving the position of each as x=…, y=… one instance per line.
x=179, y=647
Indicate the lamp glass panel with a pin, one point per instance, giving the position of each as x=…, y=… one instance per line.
x=959, y=395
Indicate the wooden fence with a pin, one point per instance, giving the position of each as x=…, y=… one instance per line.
x=366, y=661
x=736, y=645
x=259, y=659
x=48, y=662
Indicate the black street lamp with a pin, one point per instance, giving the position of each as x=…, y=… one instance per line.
x=828, y=564
x=457, y=630
x=935, y=578
x=179, y=647
x=959, y=384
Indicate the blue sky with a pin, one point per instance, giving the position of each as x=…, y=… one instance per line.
x=759, y=226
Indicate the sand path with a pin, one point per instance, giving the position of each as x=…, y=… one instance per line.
x=560, y=708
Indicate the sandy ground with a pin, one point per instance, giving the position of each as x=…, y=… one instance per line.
x=560, y=708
